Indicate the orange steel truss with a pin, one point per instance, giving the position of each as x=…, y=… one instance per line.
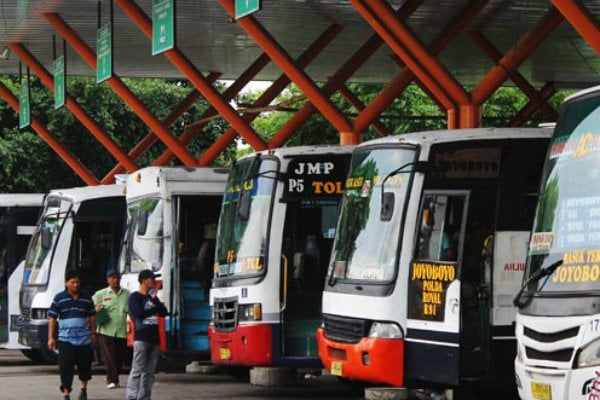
x=418, y=63
x=54, y=144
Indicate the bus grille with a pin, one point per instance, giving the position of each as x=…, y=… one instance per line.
x=551, y=337
x=347, y=330
x=560, y=355
x=225, y=314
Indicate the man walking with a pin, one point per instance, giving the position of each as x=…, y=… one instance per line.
x=111, y=322
x=76, y=334
x=144, y=309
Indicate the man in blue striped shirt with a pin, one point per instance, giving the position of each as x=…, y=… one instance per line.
x=76, y=334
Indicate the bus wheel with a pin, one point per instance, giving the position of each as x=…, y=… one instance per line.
x=47, y=356
x=33, y=355
x=241, y=373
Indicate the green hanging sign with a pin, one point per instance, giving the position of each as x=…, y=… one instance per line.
x=163, y=26
x=24, y=105
x=246, y=7
x=104, y=61
x=58, y=68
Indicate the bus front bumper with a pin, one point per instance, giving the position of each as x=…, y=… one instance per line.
x=34, y=334
x=552, y=384
x=247, y=345
x=370, y=360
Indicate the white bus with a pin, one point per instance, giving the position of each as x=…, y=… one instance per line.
x=18, y=215
x=429, y=250
x=275, y=235
x=172, y=215
x=78, y=228
x=558, y=320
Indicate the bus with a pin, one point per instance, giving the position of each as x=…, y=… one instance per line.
x=428, y=253
x=172, y=215
x=558, y=319
x=275, y=234
x=18, y=215
x=78, y=228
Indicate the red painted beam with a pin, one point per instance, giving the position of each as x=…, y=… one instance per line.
x=120, y=88
x=528, y=111
x=48, y=80
x=379, y=12
x=339, y=78
x=359, y=106
x=515, y=56
x=581, y=20
x=280, y=57
x=406, y=76
x=54, y=144
x=272, y=92
x=179, y=60
x=492, y=52
x=229, y=93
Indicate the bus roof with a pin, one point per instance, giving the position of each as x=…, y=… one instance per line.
x=303, y=150
x=180, y=180
x=582, y=93
x=21, y=199
x=79, y=194
x=459, y=135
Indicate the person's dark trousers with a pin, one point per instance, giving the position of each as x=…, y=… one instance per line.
x=68, y=357
x=113, y=354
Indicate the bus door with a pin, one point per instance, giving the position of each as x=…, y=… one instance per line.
x=196, y=229
x=309, y=231
x=432, y=346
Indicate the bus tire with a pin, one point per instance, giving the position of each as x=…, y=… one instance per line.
x=33, y=355
x=47, y=356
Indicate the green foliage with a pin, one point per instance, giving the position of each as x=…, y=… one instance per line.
x=28, y=163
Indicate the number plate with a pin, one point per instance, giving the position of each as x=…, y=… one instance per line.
x=225, y=353
x=541, y=391
x=336, y=368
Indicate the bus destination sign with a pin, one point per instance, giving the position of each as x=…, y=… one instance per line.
x=316, y=176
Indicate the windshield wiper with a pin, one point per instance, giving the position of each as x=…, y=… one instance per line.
x=540, y=273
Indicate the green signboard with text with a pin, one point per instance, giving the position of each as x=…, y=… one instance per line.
x=246, y=7
x=24, y=105
x=104, y=53
x=58, y=69
x=163, y=26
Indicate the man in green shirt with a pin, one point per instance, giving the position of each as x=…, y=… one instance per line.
x=112, y=325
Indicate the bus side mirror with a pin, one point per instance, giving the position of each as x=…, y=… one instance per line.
x=142, y=224
x=46, y=237
x=243, y=209
x=387, y=206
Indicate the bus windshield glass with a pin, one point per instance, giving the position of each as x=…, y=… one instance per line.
x=566, y=232
x=39, y=254
x=245, y=216
x=365, y=247
x=143, y=247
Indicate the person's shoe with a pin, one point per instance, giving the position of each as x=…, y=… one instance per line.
x=112, y=385
x=83, y=394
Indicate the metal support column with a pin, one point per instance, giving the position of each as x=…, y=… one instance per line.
x=359, y=106
x=280, y=57
x=515, y=56
x=527, y=112
x=89, y=56
x=581, y=20
x=54, y=144
x=47, y=79
x=272, y=92
x=179, y=60
x=484, y=44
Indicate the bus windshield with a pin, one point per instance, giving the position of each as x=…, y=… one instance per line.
x=365, y=246
x=245, y=216
x=143, y=248
x=566, y=232
x=39, y=254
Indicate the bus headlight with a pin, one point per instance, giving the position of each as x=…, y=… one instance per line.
x=382, y=330
x=589, y=355
x=250, y=312
x=39, y=313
